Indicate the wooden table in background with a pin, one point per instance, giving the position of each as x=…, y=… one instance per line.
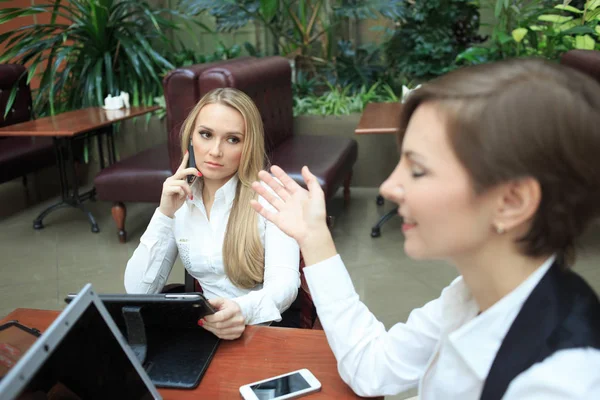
x=379, y=118
x=64, y=129
x=262, y=352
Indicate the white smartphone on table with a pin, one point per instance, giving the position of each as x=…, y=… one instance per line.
x=287, y=386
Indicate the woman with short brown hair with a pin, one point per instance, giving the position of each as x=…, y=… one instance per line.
x=500, y=175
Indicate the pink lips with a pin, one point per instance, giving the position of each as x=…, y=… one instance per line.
x=407, y=227
x=212, y=165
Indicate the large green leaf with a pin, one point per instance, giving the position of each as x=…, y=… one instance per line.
x=568, y=8
x=100, y=47
x=584, y=42
x=268, y=8
x=554, y=18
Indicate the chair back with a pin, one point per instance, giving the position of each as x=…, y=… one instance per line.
x=586, y=61
x=20, y=110
x=268, y=81
x=183, y=90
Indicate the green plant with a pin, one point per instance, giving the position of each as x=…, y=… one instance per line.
x=429, y=35
x=91, y=48
x=305, y=31
x=304, y=86
x=343, y=101
x=358, y=66
x=541, y=28
x=187, y=56
x=563, y=28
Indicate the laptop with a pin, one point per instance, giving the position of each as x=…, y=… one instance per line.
x=163, y=332
x=82, y=355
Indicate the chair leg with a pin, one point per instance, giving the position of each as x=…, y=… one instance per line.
x=347, y=181
x=119, y=212
x=26, y=187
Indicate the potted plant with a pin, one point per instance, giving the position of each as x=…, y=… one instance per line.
x=91, y=48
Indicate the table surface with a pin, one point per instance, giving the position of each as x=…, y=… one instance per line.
x=74, y=122
x=379, y=118
x=262, y=352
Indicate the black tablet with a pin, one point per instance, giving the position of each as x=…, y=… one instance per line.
x=163, y=332
x=181, y=310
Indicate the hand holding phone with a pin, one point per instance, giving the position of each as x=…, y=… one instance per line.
x=191, y=164
x=176, y=188
x=287, y=386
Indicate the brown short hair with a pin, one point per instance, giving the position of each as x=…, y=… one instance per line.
x=526, y=118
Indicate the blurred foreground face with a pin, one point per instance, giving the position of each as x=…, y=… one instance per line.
x=443, y=217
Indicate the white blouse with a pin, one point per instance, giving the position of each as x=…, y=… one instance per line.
x=445, y=347
x=199, y=242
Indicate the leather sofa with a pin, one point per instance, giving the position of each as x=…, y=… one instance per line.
x=586, y=61
x=268, y=82
x=20, y=156
x=140, y=177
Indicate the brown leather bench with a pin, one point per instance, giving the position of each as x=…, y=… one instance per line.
x=586, y=61
x=20, y=156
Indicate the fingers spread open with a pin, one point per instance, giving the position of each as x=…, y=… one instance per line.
x=269, y=196
x=285, y=179
x=312, y=182
x=268, y=215
x=272, y=183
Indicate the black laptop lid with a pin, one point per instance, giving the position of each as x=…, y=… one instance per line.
x=81, y=356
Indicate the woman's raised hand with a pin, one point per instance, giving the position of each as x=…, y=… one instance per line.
x=301, y=213
x=176, y=188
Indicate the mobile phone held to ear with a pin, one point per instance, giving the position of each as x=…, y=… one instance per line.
x=191, y=163
x=287, y=386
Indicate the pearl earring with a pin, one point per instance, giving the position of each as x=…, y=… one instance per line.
x=499, y=230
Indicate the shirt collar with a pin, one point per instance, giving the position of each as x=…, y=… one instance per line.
x=478, y=340
x=225, y=193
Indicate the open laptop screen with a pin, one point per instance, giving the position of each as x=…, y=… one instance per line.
x=81, y=356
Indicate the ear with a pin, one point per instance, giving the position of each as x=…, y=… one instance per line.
x=517, y=204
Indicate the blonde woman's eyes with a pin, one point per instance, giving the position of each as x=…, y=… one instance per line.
x=205, y=134
x=234, y=140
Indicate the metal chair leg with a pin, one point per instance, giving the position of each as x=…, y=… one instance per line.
x=376, y=230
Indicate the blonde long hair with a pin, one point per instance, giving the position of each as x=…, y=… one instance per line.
x=243, y=252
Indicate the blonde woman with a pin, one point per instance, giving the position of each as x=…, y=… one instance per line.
x=247, y=267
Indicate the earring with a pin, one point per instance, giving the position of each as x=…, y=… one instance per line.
x=499, y=230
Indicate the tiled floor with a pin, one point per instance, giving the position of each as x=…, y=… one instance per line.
x=39, y=268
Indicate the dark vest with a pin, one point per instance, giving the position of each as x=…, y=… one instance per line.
x=562, y=312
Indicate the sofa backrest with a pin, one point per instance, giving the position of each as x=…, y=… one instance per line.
x=586, y=61
x=182, y=89
x=268, y=81
x=21, y=108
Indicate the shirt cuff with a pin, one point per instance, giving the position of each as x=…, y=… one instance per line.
x=256, y=310
x=329, y=281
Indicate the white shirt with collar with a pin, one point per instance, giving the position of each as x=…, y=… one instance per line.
x=444, y=347
x=199, y=242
